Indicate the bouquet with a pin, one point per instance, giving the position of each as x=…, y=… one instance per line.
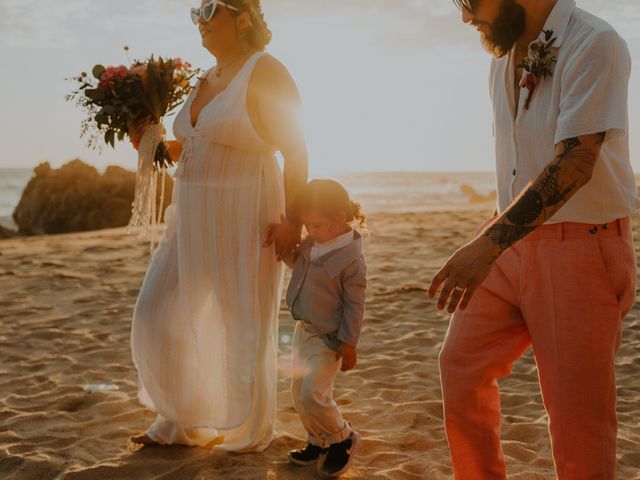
x=118, y=100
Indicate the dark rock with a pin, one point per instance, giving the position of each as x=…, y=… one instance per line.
x=475, y=197
x=7, y=233
x=77, y=198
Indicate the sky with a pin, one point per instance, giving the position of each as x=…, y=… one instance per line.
x=386, y=85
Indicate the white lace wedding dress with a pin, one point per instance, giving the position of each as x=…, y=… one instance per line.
x=204, y=333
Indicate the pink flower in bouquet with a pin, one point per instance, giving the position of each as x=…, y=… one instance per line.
x=140, y=70
x=113, y=74
x=181, y=64
x=104, y=83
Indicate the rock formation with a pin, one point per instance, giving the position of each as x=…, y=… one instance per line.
x=76, y=197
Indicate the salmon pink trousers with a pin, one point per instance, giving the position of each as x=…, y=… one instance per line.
x=563, y=290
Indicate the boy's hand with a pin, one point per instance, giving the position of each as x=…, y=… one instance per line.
x=349, y=355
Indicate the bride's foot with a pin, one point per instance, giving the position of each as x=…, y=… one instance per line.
x=144, y=440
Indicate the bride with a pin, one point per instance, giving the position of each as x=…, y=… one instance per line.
x=204, y=332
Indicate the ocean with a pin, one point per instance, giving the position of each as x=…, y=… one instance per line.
x=12, y=182
x=375, y=191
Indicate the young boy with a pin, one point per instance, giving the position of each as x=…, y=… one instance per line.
x=326, y=295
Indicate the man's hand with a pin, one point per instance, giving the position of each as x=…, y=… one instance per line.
x=349, y=355
x=463, y=273
x=554, y=187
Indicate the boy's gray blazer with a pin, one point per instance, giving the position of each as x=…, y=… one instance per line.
x=329, y=292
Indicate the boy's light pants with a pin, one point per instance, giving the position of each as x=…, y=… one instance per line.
x=564, y=290
x=314, y=368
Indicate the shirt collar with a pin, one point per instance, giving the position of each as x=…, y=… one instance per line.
x=558, y=20
x=336, y=260
x=320, y=249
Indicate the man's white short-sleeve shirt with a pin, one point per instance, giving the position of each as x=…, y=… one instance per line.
x=586, y=94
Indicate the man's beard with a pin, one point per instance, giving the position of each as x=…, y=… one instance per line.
x=506, y=29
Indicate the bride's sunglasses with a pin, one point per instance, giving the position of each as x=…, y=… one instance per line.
x=468, y=5
x=206, y=12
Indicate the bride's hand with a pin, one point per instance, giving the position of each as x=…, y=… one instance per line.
x=136, y=130
x=286, y=237
x=269, y=234
x=174, y=148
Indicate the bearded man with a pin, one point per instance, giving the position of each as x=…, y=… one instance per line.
x=555, y=267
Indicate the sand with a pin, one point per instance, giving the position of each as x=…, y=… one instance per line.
x=65, y=312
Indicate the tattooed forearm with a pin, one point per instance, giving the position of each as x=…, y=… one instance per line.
x=570, y=170
x=503, y=234
x=526, y=211
x=570, y=145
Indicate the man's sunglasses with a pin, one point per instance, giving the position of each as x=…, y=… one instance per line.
x=468, y=5
x=206, y=12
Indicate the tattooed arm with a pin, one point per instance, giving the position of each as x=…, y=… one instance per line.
x=570, y=170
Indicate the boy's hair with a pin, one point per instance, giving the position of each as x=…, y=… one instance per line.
x=329, y=198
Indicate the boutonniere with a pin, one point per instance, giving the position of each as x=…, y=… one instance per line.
x=538, y=64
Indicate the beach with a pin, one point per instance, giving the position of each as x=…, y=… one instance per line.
x=65, y=316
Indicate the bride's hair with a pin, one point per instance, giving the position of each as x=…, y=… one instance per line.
x=329, y=198
x=258, y=34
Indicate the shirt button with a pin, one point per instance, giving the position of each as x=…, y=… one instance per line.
x=514, y=172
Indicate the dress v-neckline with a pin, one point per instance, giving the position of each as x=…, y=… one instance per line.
x=220, y=93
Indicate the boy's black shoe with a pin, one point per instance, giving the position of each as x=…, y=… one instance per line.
x=306, y=456
x=337, y=458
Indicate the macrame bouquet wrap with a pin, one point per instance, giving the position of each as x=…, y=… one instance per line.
x=146, y=211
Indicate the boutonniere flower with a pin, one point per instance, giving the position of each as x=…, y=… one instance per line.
x=538, y=64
